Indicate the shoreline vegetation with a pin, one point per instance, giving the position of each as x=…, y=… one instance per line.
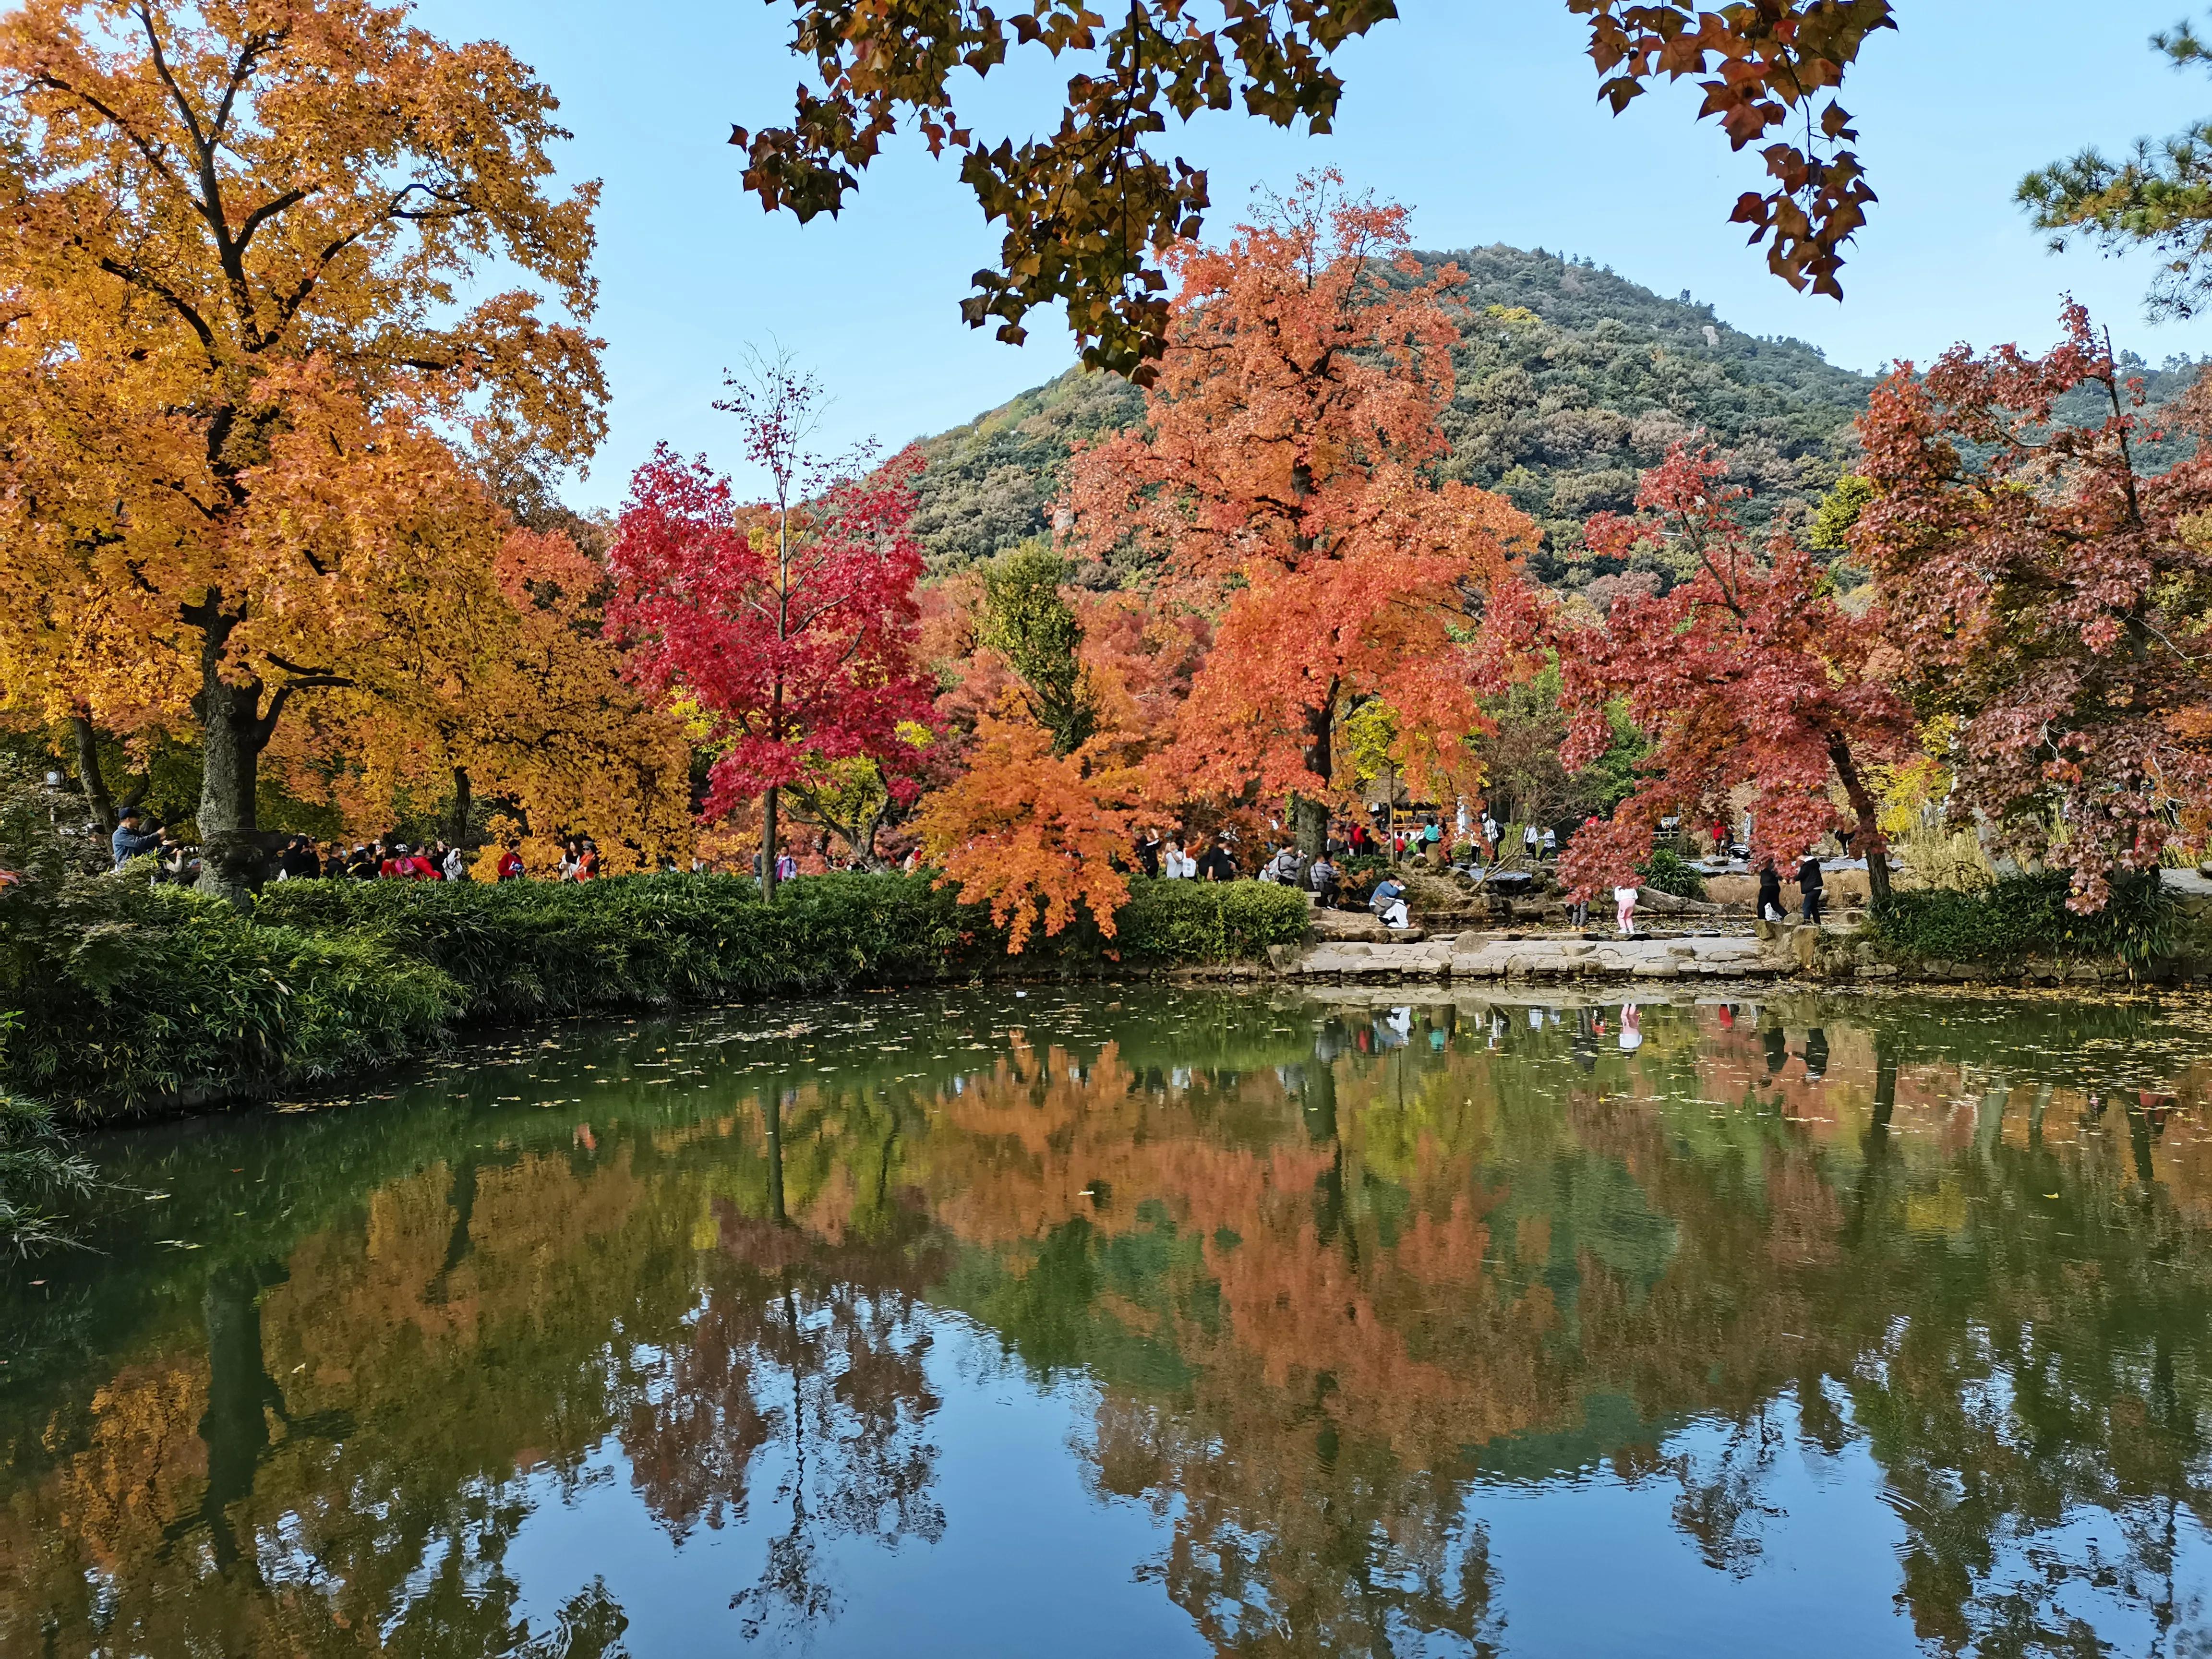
x=130, y=1000
x=167, y=1001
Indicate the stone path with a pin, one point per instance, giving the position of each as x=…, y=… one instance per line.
x=1495, y=955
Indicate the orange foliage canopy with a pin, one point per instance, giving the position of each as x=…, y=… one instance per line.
x=1030, y=825
x=1280, y=480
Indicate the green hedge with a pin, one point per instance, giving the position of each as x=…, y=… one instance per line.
x=2025, y=916
x=167, y=999
x=1175, y=923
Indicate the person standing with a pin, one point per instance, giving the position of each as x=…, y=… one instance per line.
x=1530, y=841
x=1624, y=907
x=129, y=840
x=510, y=863
x=1550, y=845
x=456, y=866
x=1769, y=892
x=1217, y=865
x=1148, y=851
x=1809, y=885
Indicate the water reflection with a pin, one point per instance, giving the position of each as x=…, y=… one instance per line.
x=982, y=1324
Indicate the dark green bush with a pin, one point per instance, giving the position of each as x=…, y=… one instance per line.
x=1668, y=871
x=1198, y=921
x=135, y=998
x=192, y=997
x=2024, y=916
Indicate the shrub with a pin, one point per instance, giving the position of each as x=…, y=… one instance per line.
x=1196, y=921
x=37, y=1168
x=1667, y=871
x=134, y=998
x=2023, y=916
x=190, y=997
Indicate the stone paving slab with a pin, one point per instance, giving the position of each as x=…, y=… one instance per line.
x=1480, y=956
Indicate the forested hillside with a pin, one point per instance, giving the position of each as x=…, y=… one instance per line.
x=1570, y=378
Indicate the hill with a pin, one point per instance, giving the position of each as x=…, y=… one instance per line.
x=1571, y=380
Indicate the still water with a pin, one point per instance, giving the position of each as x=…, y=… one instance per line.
x=1140, y=1321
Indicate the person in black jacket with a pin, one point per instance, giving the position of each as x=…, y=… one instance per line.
x=1148, y=851
x=1809, y=886
x=1769, y=892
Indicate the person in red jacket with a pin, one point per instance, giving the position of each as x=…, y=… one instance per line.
x=510, y=864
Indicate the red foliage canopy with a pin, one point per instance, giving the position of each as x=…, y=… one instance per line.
x=2050, y=596
x=792, y=660
x=1748, y=672
x=1279, y=478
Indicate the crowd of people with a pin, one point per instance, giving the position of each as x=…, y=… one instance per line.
x=387, y=857
x=1174, y=855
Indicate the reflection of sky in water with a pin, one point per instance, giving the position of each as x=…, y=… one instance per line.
x=1024, y=1538
x=1172, y=1321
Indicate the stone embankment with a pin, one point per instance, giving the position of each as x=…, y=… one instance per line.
x=1513, y=956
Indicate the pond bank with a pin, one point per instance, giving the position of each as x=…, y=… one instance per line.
x=1818, y=955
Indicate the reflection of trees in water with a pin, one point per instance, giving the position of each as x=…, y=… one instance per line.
x=1758, y=1230
x=1322, y=1292
x=809, y=1349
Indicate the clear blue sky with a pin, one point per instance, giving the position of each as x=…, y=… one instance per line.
x=1480, y=115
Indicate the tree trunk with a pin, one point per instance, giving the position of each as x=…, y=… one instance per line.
x=230, y=851
x=88, y=776
x=768, y=844
x=232, y=733
x=1866, y=840
x=1309, y=816
x=461, y=804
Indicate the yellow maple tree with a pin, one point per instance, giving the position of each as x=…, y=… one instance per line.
x=240, y=363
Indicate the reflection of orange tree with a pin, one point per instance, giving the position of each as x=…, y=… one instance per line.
x=1243, y=1305
x=207, y=1500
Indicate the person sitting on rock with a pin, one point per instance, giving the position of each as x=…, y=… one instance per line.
x=1387, y=900
x=1323, y=878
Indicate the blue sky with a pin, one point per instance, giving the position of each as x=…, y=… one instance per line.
x=1478, y=115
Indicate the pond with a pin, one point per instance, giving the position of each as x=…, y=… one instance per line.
x=1120, y=1320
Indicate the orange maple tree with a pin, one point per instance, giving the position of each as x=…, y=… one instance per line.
x=236, y=240
x=1281, y=480
x=1048, y=757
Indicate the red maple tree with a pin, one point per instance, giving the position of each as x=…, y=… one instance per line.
x=2052, y=597
x=1281, y=479
x=789, y=627
x=1749, y=671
